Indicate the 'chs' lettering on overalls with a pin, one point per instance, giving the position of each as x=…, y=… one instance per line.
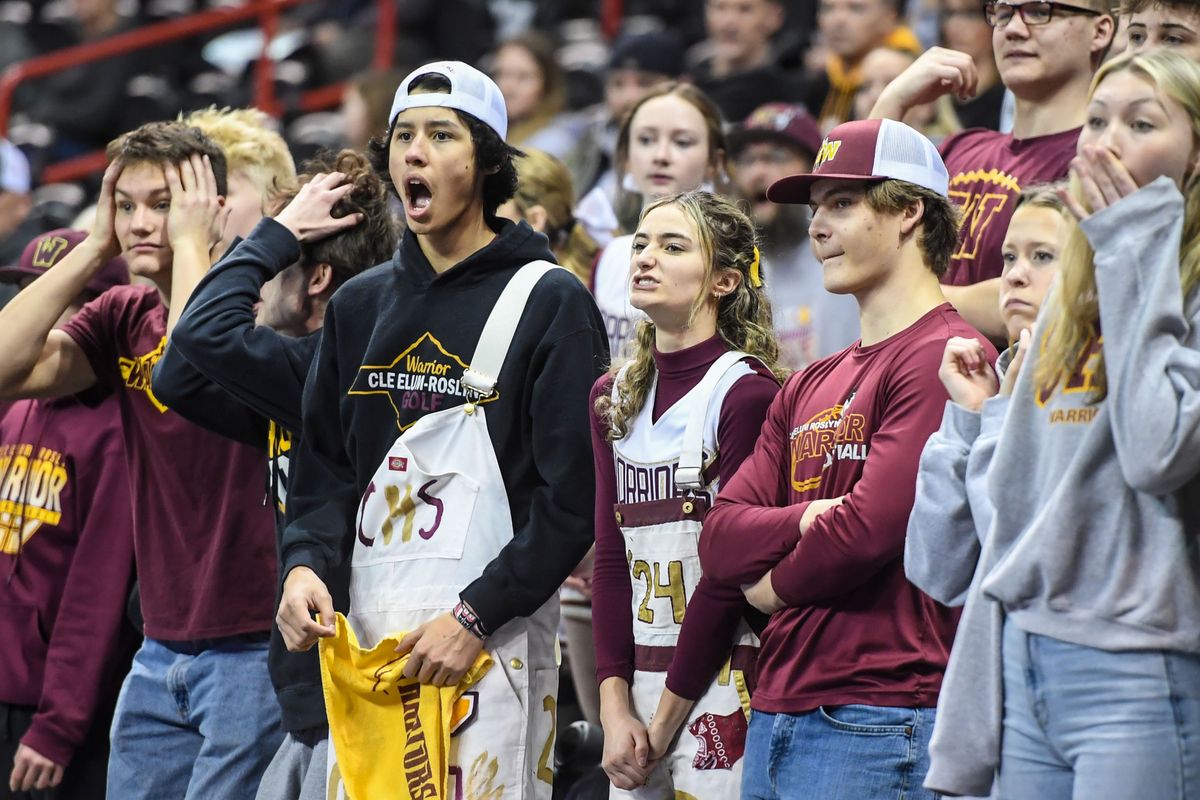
x=407, y=569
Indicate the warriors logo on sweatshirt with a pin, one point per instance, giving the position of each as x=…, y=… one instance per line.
x=31, y=486
x=422, y=379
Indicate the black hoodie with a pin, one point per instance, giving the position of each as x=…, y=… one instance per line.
x=245, y=382
x=395, y=341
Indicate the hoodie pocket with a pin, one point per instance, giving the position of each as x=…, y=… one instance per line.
x=22, y=653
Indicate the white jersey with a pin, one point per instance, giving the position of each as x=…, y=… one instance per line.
x=646, y=458
x=666, y=480
x=611, y=289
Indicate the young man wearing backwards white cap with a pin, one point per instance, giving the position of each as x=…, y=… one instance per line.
x=813, y=524
x=448, y=459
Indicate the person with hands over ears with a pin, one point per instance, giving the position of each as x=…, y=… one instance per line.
x=237, y=362
x=668, y=427
x=952, y=515
x=443, y=451
x=812, y=526
x=1046, y=52
x=1090, y=687
x=202, y=536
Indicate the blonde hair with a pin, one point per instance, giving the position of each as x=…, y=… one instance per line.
x=727, y=241
x=543, y=180
x=1073, y=311
x=250, y=142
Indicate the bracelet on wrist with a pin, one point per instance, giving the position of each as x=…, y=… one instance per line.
x=466, y=617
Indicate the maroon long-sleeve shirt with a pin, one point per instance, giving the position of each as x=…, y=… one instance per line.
x=854, y=629
x=713, y=611
x=66, y=563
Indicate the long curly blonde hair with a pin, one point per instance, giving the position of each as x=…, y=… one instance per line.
x=1073, y=310
x=728, y=242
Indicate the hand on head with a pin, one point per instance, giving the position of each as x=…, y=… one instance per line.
x=309, y=216
x=197, y=216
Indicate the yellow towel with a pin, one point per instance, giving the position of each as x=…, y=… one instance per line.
x=391, y=734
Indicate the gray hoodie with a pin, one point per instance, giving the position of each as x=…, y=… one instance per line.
x=949, y=523
x=1095, y=505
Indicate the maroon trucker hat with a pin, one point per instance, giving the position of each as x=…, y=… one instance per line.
x=869, y=150
x=778, y=122
x=48, y=249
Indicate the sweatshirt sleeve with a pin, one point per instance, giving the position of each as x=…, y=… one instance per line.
x=1150, y=343
x=187, y=392
x=88, y=633
x=322, y=493
x=714, y=610
x=612, y=614
x=558, y=532
x=848, y=544
x=217, y=333
x=751, y=525
x=941, y=548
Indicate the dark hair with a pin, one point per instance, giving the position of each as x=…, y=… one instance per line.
x=493, y=156
x=368, y=243
x=939, y=223
x=168, y=143
x=1138, y=6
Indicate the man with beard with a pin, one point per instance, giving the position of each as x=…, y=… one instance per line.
x=775, y=141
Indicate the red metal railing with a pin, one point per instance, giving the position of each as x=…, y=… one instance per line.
x=265, y=11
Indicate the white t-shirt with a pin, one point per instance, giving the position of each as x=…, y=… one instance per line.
x=611, y=289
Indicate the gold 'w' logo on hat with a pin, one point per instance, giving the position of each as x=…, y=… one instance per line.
x=48, y=251
x=827, y=152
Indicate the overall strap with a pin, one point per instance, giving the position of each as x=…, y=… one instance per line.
x=481, y=376
x=688, y=474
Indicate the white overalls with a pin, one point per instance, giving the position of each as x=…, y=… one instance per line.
x=434, y=515
x=660, y=510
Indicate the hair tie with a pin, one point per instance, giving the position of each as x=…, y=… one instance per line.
x=755, y=279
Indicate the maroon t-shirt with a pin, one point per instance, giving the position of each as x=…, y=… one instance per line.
x=66, y=564
x=713, y=611
x=988, y=170
x=854, y=629
x=203, y=531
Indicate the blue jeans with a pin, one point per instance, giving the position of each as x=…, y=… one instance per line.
x=1086, y=723
x=838, y=753
x=194, y=723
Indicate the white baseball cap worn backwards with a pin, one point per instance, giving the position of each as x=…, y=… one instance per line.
x=471, y=92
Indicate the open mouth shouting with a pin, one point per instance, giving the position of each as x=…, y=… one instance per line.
x=417, y=197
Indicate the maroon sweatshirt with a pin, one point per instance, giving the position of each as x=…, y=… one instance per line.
x=713, y=611
x=854, y=629
x=66, y=563
x=204, y=535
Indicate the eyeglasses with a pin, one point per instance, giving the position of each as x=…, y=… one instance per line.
x=999, y=15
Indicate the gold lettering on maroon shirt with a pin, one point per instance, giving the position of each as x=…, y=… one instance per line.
x=31, y=487
x=980, y=195
x=136, y=373
x=828, y=436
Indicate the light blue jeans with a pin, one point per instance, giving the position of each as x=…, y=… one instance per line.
x=838, y=753
x=194, y=722
x=1086, y=723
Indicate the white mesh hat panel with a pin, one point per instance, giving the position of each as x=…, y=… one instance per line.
x=904, y=154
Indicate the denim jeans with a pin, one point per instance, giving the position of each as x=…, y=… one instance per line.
x=194, y=722
x=851, y=752
x=1086, y=723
